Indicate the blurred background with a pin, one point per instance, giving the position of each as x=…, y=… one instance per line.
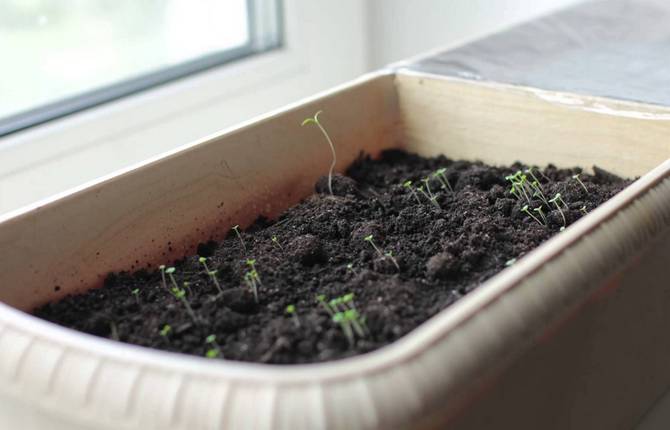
x=93, y=86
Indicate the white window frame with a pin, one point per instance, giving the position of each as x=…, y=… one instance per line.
x=265, y=33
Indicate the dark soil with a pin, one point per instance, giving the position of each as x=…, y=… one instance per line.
x=443, y=253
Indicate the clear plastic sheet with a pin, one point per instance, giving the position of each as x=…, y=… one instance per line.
x=610, y=48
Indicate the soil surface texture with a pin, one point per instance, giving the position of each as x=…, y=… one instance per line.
x=343, y=274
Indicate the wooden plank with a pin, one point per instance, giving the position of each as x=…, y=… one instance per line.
x=500, y=124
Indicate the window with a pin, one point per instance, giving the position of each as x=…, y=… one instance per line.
x=62, y=57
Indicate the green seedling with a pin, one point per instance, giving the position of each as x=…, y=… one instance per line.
x=340, y=319
x=342, y=311
x=345, y=305
x=541, y=197
x=346, y=315
x=290, y=310
x=427, y=196
x=236, y=229
x=211, y=274
x=165, y=333
x=315, y=120
x=532, y=175
x=510, y=262
x=426, y=182
x=389, y=254
x=557, y=198
x=350, y=268
x=576, y=178
x=526, y=210
x=542, y=217
x=180, y=294
x=527, y=187
x=170, y=272
x=408, y=184
x=136, y=294
x=514, y=192
x=252, y=265
x=560, y=200
x=359, y=322
x=275, y=241
x=518, y=185
x=214, y=350
x=428, y=193
x=538, y=192
x=440, y=175
x=322, y=300
x=583, y=210
x=381, y=254
x=524, y=187
x=252, y=281
x=162, y=268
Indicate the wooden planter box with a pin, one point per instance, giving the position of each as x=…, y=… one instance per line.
x=572, y=336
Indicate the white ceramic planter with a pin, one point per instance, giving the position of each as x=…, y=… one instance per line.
x=572, y=336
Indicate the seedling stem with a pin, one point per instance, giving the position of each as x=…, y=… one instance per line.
x=180, y=294
x=427, y=196
x=381, y=254
x=535, y=180
x=251, y=279
x=432, y=197
x=408, y=184
x=162, y=268
x=539, y=211
x=211, y=274
x=576, y=177
x=236, y=228
x=136, y=294
x=170, y=271
x=345, y=314
x=527, y=212
x=555, y=201
x=275, y=241
x=440, y=175
x=315, y=120
x=252, y=265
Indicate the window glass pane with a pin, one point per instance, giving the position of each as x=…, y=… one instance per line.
x=54, y=49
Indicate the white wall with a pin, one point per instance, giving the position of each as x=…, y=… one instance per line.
x=398, y=29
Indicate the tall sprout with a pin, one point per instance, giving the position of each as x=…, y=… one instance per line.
x=315, y=120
